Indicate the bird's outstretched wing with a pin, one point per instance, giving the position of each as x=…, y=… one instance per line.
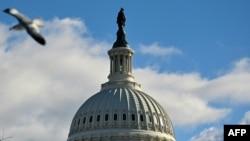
x=19, y=16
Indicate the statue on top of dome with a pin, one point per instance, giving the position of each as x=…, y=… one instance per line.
x=121, y=39
x=121, y=19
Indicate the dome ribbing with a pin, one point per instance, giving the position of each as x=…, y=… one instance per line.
x=121, y=110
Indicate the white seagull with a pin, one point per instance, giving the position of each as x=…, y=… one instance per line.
x=31, y=26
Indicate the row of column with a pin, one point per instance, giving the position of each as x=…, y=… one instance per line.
x=121, y=64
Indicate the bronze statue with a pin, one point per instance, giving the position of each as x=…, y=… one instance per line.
x=121, y=37
x=121, y=19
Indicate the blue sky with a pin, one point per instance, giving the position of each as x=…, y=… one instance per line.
x=199, y=50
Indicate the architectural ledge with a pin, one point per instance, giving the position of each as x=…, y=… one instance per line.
x=115, y=84
x=126, y=134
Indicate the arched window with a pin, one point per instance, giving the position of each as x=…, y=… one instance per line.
x=124, y=117
x=133, y=117
x=90, y=119
x=121, y=63
x=141, y=117
x=84, y=120
x=98, y=118
x=115, y=117
x=116, y=63
x=106, y=117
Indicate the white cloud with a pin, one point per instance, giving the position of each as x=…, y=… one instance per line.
x=232, y=87
x=216, y=134
x=174, y=92
x=43, y=86
x=246, y=118
x=210, y=134
x=242, y=66
x=4, y=34
x=156, y=50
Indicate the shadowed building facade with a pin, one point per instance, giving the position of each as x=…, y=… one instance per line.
x=121, y=111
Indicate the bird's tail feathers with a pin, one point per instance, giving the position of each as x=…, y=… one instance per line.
x=17, y=27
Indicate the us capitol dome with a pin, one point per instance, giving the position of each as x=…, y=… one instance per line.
x=121, y=111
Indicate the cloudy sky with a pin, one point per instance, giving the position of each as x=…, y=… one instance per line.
x=195, y=54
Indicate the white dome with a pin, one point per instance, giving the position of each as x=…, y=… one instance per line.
x=121, y=111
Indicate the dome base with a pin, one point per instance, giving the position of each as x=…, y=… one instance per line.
x=117, y=84
x=121, y=135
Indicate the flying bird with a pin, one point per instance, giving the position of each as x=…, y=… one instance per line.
x=31, y=26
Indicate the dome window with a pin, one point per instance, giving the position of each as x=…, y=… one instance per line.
x=124, y=117
x=90, y=119
x=106, y=117
x=133, y=117
x=115, y=117
x=98, y=118
x=84, y=120
x=141, y=117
